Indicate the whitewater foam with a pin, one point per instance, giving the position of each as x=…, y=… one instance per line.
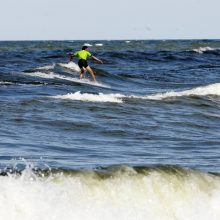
x=6, y=83
x=99, y=45
x=49, y=75
x=125, y=195
x=48, y=67
x=87, y=44
x=212, y=89
x=88, y=97
x=203, y=49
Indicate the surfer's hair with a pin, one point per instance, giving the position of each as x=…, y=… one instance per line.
x=84, y=47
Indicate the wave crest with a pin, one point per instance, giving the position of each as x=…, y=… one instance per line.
x=88, y=97
x=209, y=90
x=213, y=89
x=204, y=49
x=125, y=193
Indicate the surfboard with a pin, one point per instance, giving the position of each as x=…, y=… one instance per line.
x=52, y=75
x=87, y=82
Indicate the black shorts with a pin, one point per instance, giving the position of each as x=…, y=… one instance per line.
x=82, y=63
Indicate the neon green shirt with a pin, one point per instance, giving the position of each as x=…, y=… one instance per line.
x=82, y=54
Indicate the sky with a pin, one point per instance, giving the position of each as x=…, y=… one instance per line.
x=109, y=19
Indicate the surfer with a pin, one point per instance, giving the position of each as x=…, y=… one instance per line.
x=82, y=63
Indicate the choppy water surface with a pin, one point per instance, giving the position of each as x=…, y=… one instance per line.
x=139, y=134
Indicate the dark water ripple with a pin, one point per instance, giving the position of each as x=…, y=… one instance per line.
x=180, y=130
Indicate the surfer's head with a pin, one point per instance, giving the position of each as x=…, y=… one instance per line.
x=85, y=48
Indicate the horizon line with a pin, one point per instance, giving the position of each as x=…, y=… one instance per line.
x=141, y=39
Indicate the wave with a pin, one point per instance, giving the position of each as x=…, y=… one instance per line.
x=88, y=97
x=114, y=194
x=48, y=67
x=49, y=75
x=52, y=75
x=212, y=89
x=99, y=45
x=6, y=83
x=87, y=44
x=204, y=49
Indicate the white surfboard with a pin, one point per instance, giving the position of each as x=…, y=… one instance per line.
x=52, y=75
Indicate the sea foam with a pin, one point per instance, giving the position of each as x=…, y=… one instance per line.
x=212, y=89
x=48, y=67
x=87, y=44
x=49, y=75
x=203, y=49
x=124, y=194
x=6, y=83
x=99, y=45
x=88, y=97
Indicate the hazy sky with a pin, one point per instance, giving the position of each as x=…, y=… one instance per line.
x=109, y=19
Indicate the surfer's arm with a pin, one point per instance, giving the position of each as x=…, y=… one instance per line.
x=96, y=59
x=72, y=55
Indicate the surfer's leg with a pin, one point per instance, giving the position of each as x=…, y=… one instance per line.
x=91, y=72
x=82, y=71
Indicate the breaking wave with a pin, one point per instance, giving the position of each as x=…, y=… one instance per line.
x=6, y=83
x=99, y=45
x=117, y=98
x=115, y=193
x=212, y=89
x=204, y=49
x=48, y=67
x=49, y=75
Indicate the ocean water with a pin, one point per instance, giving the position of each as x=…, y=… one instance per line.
x=143, y=142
